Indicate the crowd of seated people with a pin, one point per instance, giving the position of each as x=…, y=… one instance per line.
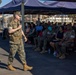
x=51, y=35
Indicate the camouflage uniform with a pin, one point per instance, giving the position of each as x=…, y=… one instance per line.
x=37, y=41
x=16, y=44
x=67, y=35
x=49, y=35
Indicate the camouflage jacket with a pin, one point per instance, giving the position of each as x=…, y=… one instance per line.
x=16, y=36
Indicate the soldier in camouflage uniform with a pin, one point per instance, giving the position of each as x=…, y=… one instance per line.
x=16, y=42
x=68, y=40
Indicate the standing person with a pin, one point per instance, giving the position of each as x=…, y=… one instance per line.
x=16, y=42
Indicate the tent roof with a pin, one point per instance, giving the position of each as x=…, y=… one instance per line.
x=36, y=7
x=16, y=5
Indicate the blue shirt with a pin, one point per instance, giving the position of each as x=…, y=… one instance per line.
x=39, y=28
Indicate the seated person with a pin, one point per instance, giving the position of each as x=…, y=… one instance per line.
x=37, y=41
x=57, y=39
x=68, y=39
x=31, y=34
x=47, y=35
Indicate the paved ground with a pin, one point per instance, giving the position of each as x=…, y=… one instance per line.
x=44, y=64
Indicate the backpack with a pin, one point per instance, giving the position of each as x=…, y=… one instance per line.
x=5, y=34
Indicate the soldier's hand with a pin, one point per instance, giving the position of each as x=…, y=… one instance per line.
x=20, y=26
x=25, y=39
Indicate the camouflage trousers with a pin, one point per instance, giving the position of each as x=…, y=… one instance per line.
x=14, y=48
x=37, y=41
x=62, y=48
x=45, y=42
x=41, y=40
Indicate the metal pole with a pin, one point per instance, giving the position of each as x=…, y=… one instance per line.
x=30, y=18
x=2, y=20
x=62, y=20
x=0, y=3
x=22, y=11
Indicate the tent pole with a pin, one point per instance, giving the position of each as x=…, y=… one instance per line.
x=2, y=20
x=62, y=20
x=30, y=17
x=22, y=11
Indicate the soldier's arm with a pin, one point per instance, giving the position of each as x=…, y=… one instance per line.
x=11, y=30
x=24, y=36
